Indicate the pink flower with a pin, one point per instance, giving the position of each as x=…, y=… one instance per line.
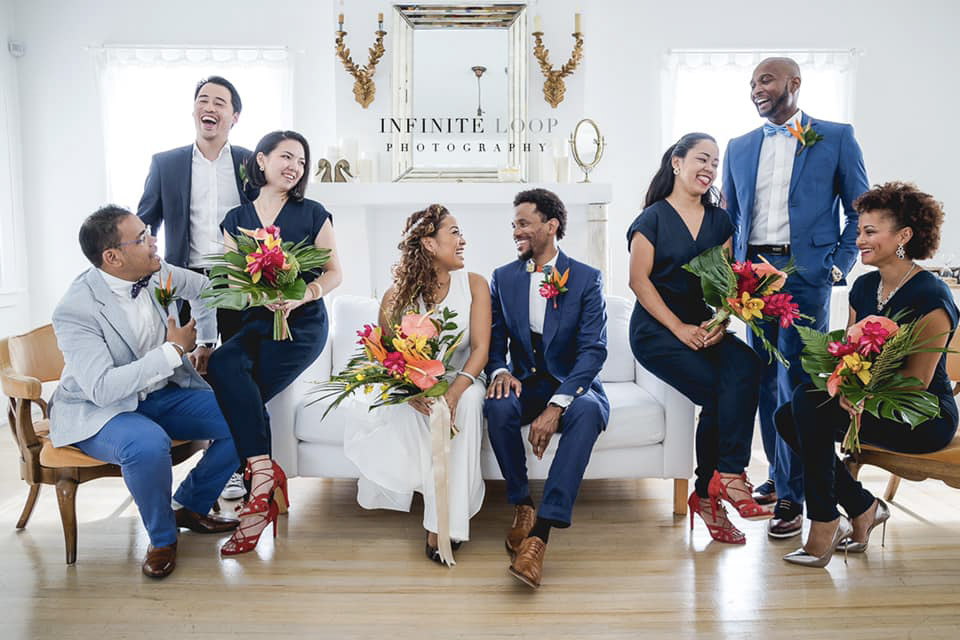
x=425, y=373
x=765, y=269
x=781, y=305
x=364, y=333
x=855, y=332
x=874, y=335
x=549, y=291
x=415, y=325
x=395, y=363
x=835, y=380
x=839, y=349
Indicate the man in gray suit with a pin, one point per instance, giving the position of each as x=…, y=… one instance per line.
x=130, y=385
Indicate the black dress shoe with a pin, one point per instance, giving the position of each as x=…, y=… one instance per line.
x=434, y=553
x=187, y=519
x=766, y=493
x=787, y=520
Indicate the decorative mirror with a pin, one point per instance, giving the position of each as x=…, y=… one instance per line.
x=459, y=92
x=586, y=145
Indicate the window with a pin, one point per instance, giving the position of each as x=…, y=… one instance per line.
x=709, y=90
x=147, y=97
x=9, y=231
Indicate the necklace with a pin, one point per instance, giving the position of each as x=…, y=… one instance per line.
x=881, y=300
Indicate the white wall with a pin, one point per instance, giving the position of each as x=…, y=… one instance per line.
x=906, y=90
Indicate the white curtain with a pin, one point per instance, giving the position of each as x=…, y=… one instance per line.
x=147, y=98
x=709, y=91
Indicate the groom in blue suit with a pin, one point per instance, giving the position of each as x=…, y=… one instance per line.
x=784, y=197
x=556, y=340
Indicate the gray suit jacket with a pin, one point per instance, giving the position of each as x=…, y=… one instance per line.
x=102, y=375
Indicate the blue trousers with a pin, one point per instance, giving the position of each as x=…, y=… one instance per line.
x=777, y=383
x=580, y=426
x=139, y=442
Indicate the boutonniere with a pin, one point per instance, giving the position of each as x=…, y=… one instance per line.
x=554, y=284
x=806, y=136
x=166, y=295
x=242, y=172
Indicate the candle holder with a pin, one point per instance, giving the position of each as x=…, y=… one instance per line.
x=553, y=86
x=364, y=89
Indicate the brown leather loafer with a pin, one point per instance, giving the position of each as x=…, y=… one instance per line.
x=785, y=527
x=160, y=561
x=765, y=493
x=527, y=566
x=187, y=519
x=523, y=518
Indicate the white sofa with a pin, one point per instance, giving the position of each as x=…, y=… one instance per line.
x=650, y=434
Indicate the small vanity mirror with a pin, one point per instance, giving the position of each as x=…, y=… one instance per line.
x=586, y=145
x=459, y=92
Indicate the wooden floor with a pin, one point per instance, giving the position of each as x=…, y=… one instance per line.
x=626, y=569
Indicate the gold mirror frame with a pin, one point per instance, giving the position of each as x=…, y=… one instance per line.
x=587, y=167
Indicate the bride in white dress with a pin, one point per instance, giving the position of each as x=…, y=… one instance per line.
x=391, y=445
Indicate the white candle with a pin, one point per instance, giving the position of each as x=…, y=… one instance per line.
x=333, y=154
x=577, y=26
x=537, y=24
x=365, y=169
x=349, y=147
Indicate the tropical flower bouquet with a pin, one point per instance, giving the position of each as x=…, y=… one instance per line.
x=410, y=364
x=747, y=290
x=862, y=363
x=262, y=270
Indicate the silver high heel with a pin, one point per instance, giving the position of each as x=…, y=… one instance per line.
x=881, y=517
x=801, y=557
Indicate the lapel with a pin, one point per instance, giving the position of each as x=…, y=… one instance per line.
x=519, y=297
x=754, y=141
x=799, y=160
x=552, y=319
x=161, y=278
x=185, y=175
x=237, y=161
x=109, y=308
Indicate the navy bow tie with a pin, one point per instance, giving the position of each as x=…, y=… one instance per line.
x=138, y=285
x=772, y=130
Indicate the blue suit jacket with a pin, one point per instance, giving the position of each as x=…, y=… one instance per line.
x=574, y=334
x=824, y=175
x=166, y=198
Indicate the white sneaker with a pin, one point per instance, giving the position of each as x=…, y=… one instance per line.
x=234, y=490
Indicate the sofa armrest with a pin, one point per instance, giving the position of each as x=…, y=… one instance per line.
x=679, y=427
x=283, y=411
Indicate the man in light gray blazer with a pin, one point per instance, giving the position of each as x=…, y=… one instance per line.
x=129, y=383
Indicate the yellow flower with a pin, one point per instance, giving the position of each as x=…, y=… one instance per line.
x=857, y=366
x=360, y=377
x=750, y=307
x=368, y=388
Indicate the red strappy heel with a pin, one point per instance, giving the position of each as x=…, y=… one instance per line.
x=280, y=493
x=723, y=532
x=748, y=508
x=260, y=511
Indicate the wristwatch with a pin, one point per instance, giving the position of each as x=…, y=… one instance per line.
x=836, y=274
x=207, y=345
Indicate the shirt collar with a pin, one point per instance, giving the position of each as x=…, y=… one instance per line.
x=119, y=286
x=552, y=262
x=794, y=121
x=199, y=154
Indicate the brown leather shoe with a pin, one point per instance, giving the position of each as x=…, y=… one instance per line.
x=785, y=527
x=160, y=561
x=523, y=518
x=527, y=566
x=765, y=493
x=187, y=519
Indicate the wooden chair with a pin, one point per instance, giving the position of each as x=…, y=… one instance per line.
x=26, y=362
x=942, y=465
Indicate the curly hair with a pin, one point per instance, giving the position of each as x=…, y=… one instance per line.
x=907, y=206
x=548, y=205
x=414, y=272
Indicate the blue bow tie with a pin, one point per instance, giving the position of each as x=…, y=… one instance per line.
x=534, y=267
x=772, y=130
x=138, y=285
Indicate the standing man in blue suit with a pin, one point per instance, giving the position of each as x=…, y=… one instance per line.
x=190, y=189
x=557, y=346
x=784, y=198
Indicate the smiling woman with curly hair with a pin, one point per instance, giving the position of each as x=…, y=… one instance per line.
x=391, y=445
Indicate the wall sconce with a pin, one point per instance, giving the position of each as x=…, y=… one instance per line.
x=553, y=87
x=363, y=87
x=478, y=71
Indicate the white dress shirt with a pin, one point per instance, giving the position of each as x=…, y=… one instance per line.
x=147, y=326
x=771, y=213
x=538, y=311
x=213, y=192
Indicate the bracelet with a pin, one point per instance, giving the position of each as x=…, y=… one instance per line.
x=180, y=350
x=319, y=290
x=473, y=378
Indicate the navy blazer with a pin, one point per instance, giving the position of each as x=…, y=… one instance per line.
x=574, y=334
x=166, y=198
x=831, y=171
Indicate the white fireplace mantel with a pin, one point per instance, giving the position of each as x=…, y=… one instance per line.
x=369, y=218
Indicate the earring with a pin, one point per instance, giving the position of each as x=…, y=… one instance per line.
x=261, y=167
x=676, y=171
x=900, y=252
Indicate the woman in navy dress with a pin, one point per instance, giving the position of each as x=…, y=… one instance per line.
x=898, y=224
x=668, y=332
x=251, y=367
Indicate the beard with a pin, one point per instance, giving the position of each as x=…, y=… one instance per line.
x=525, y=255
x=776, y=104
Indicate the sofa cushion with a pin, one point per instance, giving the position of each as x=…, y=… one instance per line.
x=349, y=314
x=619, y=366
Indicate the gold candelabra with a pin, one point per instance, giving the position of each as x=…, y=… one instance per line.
x=553, y=86
x=364, y=89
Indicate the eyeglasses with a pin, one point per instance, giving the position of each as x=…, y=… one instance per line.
x=141, y=238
